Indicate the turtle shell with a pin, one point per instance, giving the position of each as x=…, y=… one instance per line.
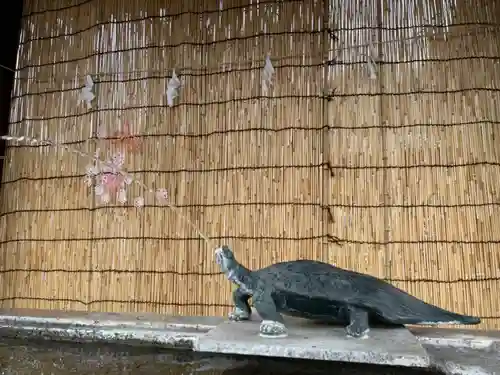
x=317, y=281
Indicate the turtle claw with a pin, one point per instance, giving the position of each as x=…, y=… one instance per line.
x=272, y=329
x=238, y=315
x=357, y=331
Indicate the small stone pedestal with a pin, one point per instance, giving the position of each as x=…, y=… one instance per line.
x=306, y=340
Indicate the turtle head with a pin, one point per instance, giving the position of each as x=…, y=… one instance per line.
x=225, y=258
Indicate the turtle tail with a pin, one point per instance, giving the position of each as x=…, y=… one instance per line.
x=429, y=314
x=466, y=319
x=408, y=309
x=453, y=318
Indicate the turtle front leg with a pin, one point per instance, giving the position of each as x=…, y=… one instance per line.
x=272, y=325
x=358, y=326
x=242, y=310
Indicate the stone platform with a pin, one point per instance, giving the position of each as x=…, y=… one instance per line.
x=307, y=340
x=452, y=351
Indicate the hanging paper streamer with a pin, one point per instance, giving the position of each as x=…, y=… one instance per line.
x=372, y=70
x=267, y=76
x=173, y=86
x=86, y=94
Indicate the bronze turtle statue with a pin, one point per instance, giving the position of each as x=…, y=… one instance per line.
x=324, y=293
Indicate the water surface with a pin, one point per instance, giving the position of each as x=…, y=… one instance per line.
x=49, y=358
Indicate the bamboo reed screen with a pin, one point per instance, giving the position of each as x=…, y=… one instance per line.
x=380, y=129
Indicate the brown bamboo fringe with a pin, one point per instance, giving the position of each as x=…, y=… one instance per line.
x=374, y=131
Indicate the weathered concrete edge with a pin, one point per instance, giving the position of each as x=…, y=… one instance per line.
x=178, y=332
x=182, y=331
x=304, y=352
x=114, y=324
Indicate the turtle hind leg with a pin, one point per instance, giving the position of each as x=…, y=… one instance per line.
x=242, y=310
x=358, y=326
x=272, y=325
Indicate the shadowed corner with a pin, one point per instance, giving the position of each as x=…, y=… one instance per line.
x=10, y=30
x=272, y=366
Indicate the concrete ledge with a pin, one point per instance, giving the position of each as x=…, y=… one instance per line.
x=460, y=338
x=455, y=352
x=392, y=347
x=134, y=329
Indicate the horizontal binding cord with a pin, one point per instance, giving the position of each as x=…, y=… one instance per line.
x=240, y=7
x=215, y=10
x=167, y=76
x=266, y=130
x=265, y=167
x=277, y=204
x=328, y=238
x=91, y=302
x=261, y=97
x=141, y=302
x=249, y=69
x=210, y=274
x=204, y=44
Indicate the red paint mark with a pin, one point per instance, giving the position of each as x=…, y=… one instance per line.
x=129, y=141
x=112, y=181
